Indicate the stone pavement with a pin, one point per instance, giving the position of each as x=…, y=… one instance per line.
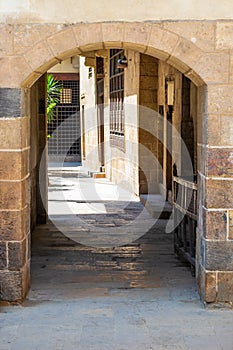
x=136, y=296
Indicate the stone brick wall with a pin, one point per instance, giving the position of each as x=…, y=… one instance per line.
x=150, y=146
x=14, y=196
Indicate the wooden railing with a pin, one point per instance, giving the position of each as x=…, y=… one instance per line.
x=185, y=219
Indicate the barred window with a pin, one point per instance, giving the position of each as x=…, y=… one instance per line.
x=117, y=112
x=66, y=96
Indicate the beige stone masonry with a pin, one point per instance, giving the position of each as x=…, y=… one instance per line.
x=40, y=55
x=201, y=33
x=224, y=34
x=220, y=99
x=63, y=44
x=13, y=71
x=14, y=133
x=157, y=39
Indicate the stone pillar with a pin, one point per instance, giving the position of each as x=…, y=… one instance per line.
x=14, y=195
x=215, y=235
x=42, y=165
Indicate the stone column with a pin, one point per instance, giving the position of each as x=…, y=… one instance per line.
x=215, y=253
x=14, y=195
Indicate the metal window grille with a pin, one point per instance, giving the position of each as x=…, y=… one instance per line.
x=117, y=113
x=60, y=143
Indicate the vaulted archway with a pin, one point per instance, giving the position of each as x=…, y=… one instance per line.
x=207, y=67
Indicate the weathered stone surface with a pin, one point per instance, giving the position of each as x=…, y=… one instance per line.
x=206, y=282
x=213, y=136
x=226, y=130
x=10, y=285
x=225, y=287
x=219, y=193
x=13, y=71
x=215, y=225
x=213, y=67
x=224, y=34
x=220, y=162
x=14, y=133
x=210, y=287
x=202, y=34
x=231, y=68
x=163, y=40
x=10, y=101
x=219, y=255
x=220, y=99
x=6, y=39
x=40, y=55
x=14, y=165
x=3, y=255
x=62, y=41
x=13, y=195
x=14, y=224
x=137, y=33
x=230, y=228
x=187, y=53
x=26, y=35
x=87, y=34
x=112, y=33
x=16, y=255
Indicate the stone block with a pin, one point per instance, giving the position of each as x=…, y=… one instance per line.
x=226, y=130
x=187, y=53
x=10, y=133
x=220, y=162
x=10, y=285
x=230, y=224
x=16, y=255
x=201, y=33
x=215, y=225
x=3, y=255
x=10, y=102
x=225, y=287
x=179, y=65
x=137, y=33
x=161, y=55
x=224, y=34
x=7, y=39
x=62, y=42
x=219, y=193
x=40, y=57
x=206, y=282
x=162, y=40
x=88, y=36
x=13, y=71
x=14, y=224
x=210, y=287
x=27, y=35
x=220, y=99
x=14, y=165
x=112, y=32
x=213, y=67
x=25, y=279
x=13, y=195
x=231, y=68
x=213, y=130
x=219, y=255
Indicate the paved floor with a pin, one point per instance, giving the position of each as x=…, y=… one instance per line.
x=136, y=296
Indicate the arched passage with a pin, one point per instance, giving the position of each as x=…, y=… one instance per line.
x=202, y=67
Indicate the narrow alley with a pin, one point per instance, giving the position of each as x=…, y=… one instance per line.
x=132, y=296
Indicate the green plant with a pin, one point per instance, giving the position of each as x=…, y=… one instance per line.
x=54, y=88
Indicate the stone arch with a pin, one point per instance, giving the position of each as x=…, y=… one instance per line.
x=205, y=66
x=148, y=38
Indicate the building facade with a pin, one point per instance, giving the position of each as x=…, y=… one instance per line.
x=189, y=48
